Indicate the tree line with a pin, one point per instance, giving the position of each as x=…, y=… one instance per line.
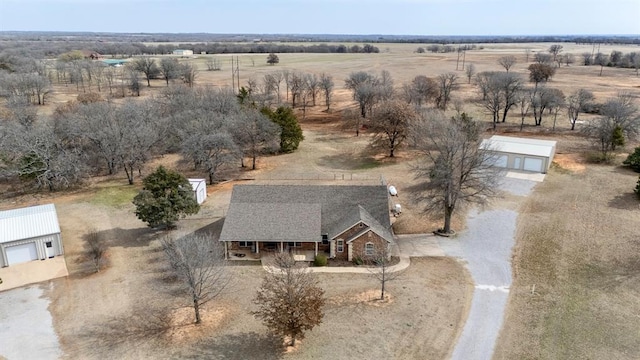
x=53, y=49
x=208, y=127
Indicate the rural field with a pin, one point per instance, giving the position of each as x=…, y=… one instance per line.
x=575, y=264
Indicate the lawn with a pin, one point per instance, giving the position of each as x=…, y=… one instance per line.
x=577, y=271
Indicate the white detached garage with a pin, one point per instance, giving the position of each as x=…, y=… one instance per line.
x=28, y=234
x=522, y=153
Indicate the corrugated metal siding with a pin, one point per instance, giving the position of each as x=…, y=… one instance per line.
x=28, y=222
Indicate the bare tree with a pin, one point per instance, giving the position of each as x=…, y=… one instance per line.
x=602, y=60
x=422, y=89
x=578, y=102
x=523, y=100
x=364, y=88
x=326, y=85
x=493, y=100
x=390, y=124
x=542, y=58
x=312, y=83
x=169, y=69
x=380, y=257
x=213, y=64
x=290, y=300
x=255, y=134
x=456, y=169
x=543, y=98
x=199, y=261
x=555, y=51
x=213, y=151
x=469, y=72
x=188, y=73
x=540, y=73
x=147, y=66
x=527, y=53
x=447, y=83
x=507, y=61
x=96, y=249
x=569, y=59
x=296, y=86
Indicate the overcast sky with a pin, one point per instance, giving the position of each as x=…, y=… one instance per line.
x=399, y=17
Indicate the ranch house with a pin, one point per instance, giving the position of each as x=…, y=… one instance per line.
x=342, y=222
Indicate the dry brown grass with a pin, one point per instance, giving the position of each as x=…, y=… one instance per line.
x=576, y=270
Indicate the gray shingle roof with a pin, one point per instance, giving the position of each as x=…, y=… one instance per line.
x=272, y=222
x=340, y=208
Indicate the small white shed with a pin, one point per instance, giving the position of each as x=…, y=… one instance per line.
x=28, y=234
x=199, y=187
x=524, y=154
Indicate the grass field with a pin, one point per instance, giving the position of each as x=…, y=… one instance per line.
x=577, y=272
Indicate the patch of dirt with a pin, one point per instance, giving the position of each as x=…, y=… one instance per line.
x=182, y=326
x=571, y=162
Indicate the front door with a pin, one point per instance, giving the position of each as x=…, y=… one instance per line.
x=50, y=252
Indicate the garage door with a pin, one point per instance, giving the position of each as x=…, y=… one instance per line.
x=501, y=161
x=532, y=164
x=21, y=253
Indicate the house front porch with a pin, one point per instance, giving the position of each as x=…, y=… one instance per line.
x=305, y=251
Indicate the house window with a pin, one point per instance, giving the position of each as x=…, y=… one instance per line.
x=246, y=244
x=340, y=246
x=368, y=249
x=295, y=244
x=48, y=244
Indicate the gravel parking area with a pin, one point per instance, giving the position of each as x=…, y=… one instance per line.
x=26, y=330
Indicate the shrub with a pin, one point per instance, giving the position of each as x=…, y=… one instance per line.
x=320, y=260
x=358, y=260
x=89, y=98
x=637, y=190
x=633, y=160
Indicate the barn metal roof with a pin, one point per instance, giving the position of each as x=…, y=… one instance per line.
x=28, y=222
x=524, y=146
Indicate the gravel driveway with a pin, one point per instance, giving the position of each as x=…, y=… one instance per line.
x=486, y=247
x=26, y=330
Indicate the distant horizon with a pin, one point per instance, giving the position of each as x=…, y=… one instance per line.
x=315, y=34
x=328, y=17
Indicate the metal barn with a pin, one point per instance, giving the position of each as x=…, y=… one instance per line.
x=28, y=234
x=523, y=154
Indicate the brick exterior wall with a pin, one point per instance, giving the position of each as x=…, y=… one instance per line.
x=358, y=245
x=346, y=236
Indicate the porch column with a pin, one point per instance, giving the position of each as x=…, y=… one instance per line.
x=281, y=246
x=257, y=247
x=226, y=251
x=316, y=248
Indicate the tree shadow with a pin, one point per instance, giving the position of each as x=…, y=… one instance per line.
x=138, y=237
x=141, y=325
x=625, y=201
x=242, y=346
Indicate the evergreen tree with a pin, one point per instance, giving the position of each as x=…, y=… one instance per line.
x=291, y=134
x=166, y=197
